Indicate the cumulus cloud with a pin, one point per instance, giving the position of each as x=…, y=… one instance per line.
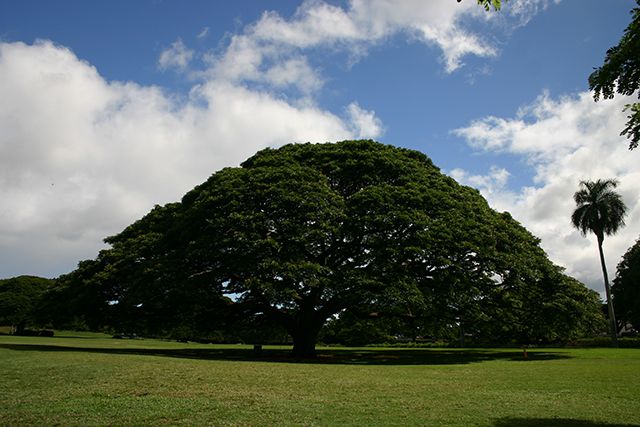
x=81, y=157
x=274, y=39
x=565, y=140
x=176, y=56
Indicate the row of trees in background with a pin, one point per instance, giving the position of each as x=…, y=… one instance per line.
x=328, y=241
x=21, y=302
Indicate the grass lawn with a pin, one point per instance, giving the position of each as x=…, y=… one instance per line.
x=89, y=379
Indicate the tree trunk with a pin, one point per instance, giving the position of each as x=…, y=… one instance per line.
x=304, y=342
x=613, y=326
x=304, y=330
x=20, y=328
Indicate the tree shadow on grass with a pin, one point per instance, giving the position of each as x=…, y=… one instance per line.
x=324, y=356
x=554, y=422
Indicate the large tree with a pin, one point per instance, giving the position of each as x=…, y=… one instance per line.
x=626, y=288
x=302, y=233
x=601, y=211
x=620, y=74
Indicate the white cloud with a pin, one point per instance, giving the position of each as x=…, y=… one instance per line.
x=241, y=60
x=365, y=124
x=81, y=157
x=294, y=72
x=314, y=23
x=277, y=45
x=564, y=140
x=176, y=56
x=493, y=184
x=525, y=10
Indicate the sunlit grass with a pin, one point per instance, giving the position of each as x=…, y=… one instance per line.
x=96, y=380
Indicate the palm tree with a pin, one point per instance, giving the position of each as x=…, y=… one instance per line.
x=600, y=210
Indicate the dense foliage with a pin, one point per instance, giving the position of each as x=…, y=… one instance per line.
x=20, y=299
x=626, y=288
x=309, y=232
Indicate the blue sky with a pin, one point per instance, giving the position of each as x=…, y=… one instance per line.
x=111, y=107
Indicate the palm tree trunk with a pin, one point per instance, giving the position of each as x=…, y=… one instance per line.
x=613, y=326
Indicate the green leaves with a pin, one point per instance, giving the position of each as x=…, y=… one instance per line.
x=620, y=74
x=20, y=298
x=626, y=287
x=600, y=209
x=488, y=4
x=632, y=127
x=304, y=232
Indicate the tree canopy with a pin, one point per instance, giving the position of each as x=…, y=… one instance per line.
x=306, y=232
x=19, y=299
x=600, y=209
x=620, y=73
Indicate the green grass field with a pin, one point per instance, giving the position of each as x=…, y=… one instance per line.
x=89, y=379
